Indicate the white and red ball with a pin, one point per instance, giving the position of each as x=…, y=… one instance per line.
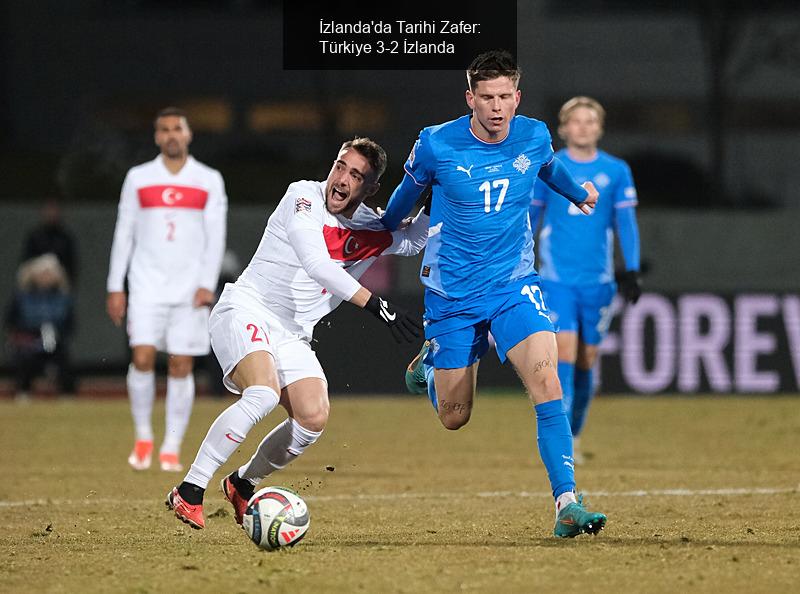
x=276, y=517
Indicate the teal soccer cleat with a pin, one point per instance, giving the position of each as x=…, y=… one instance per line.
x=574, y=520
x=416, y=383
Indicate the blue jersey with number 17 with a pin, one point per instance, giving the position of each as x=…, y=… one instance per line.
x=479, y=237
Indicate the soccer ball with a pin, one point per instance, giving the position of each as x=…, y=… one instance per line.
x=276, y=517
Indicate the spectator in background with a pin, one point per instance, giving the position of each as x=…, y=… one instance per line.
x=39, y=323
x=51, y=236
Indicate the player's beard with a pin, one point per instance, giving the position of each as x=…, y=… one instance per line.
x=173, y=150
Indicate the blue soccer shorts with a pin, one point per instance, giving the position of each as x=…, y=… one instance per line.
x=585, y=310
x=461, y=338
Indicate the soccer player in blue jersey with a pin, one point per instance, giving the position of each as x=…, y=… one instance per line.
x=478, y=266
x=576, y=253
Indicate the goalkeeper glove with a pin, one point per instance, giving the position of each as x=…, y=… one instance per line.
x=630, y=286
x=404, y=326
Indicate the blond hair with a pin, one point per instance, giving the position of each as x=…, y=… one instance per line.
x=581, y=101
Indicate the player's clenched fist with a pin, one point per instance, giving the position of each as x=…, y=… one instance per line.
x=404, y=326
x=587, y=206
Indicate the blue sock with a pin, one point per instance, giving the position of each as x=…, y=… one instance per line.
x=431, y=387
x=584, y=390
x=555, y=446
x=566, y=375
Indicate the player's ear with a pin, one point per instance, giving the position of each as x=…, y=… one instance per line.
x=470, y=99
x=373, y=189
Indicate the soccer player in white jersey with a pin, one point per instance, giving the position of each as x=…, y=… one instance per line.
x=169, y=240
x=319, y=240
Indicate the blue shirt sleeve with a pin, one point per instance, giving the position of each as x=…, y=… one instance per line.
x=625, y=192
x=419, y=172
x=628, y=234
x=556, y=175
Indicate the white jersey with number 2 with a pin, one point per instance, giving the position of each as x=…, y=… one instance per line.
x=170, y=232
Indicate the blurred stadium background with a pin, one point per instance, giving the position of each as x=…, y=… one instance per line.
x=703, y=102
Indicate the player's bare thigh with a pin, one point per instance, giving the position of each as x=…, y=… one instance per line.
x=306, y=401
x=567, y=342
x=536, y=359
x=255, y=369
x=455, y=392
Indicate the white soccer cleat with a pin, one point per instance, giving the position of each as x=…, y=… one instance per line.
x=141, y=455
x=170, y=462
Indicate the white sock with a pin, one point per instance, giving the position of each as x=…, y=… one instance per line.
x=229, y=430
x=142, y=393
x=180, y=398
x=283, y=444
x=564, y=500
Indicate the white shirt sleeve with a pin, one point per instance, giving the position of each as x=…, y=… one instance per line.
x=215, y=224
x=304, y=231
x=122, y=246
x=410, y=240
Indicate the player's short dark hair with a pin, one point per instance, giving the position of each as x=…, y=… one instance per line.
x=371, y=151
x=490, y=65
x=170, y=111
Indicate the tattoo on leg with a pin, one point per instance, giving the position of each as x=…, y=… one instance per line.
x=456, y=407
x=543, y=365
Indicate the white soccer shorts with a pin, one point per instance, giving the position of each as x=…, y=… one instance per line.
x=240, y=325
x=174, y=329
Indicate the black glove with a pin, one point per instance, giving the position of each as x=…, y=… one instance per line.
x=404, y=327
x=630, y=286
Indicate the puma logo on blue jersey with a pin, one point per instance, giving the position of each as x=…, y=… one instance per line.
x=467, y=171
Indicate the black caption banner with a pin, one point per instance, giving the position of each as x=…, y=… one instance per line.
x=412, y=35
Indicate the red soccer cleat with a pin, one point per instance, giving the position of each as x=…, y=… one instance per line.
x=238, y=502
x=170, y=462
x=185, y=512
x=141, y=455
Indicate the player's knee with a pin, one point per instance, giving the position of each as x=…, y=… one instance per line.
x=315, y=418
x=546, y=387
x=143, y=361
x=551, y=386
x=454, y=415
x=179, y=367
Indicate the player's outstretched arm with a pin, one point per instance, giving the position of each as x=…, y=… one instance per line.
x=628, y=234
x=405, y=327
x=559, y=179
